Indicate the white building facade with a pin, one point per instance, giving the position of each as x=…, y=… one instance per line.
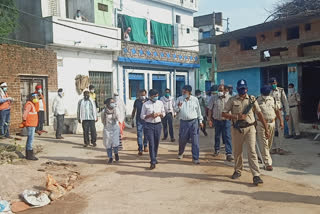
x=147, y=65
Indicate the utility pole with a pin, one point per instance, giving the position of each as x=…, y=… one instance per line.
x=213, y=48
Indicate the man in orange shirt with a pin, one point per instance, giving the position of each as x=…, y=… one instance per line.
x=41, y=108
x=30, y=120
x=5, y=106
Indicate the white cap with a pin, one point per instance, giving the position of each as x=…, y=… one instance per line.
x=4, y=85
x=115, y=94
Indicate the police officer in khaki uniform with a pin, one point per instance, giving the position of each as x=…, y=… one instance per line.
x=243, y=130
x=270, y=112
x=282, y=103
x=294, y=103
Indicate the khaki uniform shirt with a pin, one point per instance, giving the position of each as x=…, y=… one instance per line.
x=237, y=105
x=268, y=108
x=294, y=99
x=281, y=99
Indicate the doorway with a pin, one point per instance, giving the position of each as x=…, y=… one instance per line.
x=27, y=86
x=310, y=93
x=180, y=83
x=159, y=82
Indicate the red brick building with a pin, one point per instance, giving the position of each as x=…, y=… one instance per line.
x=288, y=49
x=23, y=68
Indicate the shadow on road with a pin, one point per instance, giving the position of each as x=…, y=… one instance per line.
x=278, y=197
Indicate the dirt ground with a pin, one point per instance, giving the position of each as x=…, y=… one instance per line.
x=175, y=186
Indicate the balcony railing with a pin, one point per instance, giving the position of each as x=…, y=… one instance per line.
x=151, y=53
x=66, y=33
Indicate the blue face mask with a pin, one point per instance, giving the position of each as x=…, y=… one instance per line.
x=167, y=95
x=185, y=96
x=113, y=105
x=5, y=89
x=154, y=99
x=242, y=91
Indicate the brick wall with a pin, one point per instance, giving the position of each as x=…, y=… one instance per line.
x=16, y=61
x=231, y=57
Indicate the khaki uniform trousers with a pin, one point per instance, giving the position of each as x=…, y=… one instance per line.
x=294, y=121
x=238, y=140
x=278, y=141
x=265, y=144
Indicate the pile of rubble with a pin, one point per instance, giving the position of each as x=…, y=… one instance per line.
x=54, y=190
x=14, y=152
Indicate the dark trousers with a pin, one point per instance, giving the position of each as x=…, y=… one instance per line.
x=223, y=127
x=204, y=126
x=41, y=121
x=167, y=120
x=60, y=123
x=141, y=138
x=152, y=131
x=189, y=129
x=4, y=122
x=89, y=127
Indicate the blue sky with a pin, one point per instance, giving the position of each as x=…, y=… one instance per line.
x=242, y=13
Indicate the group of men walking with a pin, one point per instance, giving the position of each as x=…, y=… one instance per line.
x=238, y=119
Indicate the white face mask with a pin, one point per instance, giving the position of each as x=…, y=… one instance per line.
x=220, y=93
x=290, y=90
x=61, y=94
x=92, y=90
x=40, y=91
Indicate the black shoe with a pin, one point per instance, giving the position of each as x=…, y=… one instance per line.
x=257, y=180
x=289, y=136
x=216, y=153
x=230, y=158
x=94, y=145
x=205, y=133
x=30, y=155
x=236, y=175
x=110, y=161
x=117, y=157
x=164, y=138
x=173, y=140
x=85, y=145
x=152, y=166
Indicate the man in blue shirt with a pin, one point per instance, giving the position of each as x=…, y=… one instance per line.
x=137, y=107
x=189, y=111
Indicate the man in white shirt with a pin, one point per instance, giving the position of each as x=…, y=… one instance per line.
x=169, y=103
x=152, y=112
x=58, y=109
x=190, y=117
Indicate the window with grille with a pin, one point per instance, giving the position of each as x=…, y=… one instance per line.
x=102, y=81
x=53, y=8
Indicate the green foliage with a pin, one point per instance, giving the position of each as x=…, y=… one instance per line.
x=8, y=18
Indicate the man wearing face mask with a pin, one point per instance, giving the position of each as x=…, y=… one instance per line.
x=80, y=17
x=137, y=107
x=203, y=106
x=282, y=103
x=294, y=105
x=121, y=108
x=270, y=112
x=87, y=115
x=41, y=108
x=59, y=110
x=152, y=112
x=30, y=121
x=93, y=95
x=5, y=106
x=190, y=117
x=240, y=109
x=221, y=124
x=169, y=103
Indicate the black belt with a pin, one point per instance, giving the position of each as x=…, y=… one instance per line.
x=243, y=126
x=189, y=120
x=293, y=106
x=153, y=123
